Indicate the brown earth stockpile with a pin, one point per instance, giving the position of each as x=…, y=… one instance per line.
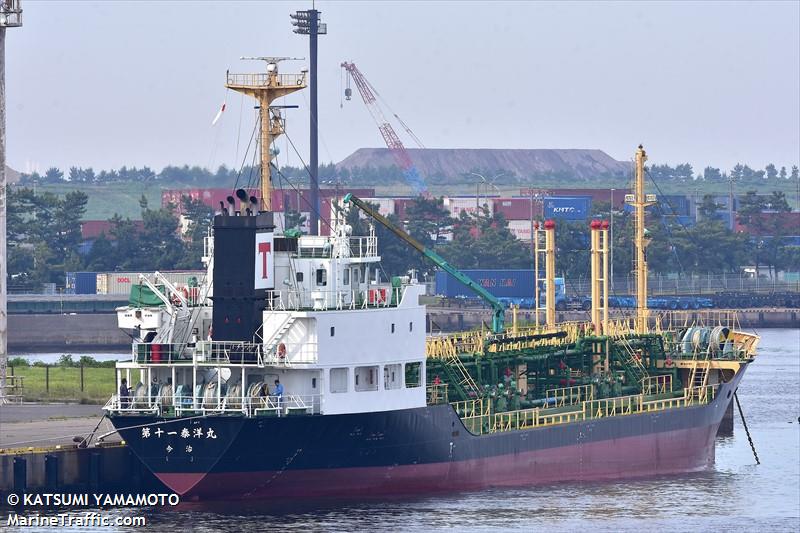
x=453, y=162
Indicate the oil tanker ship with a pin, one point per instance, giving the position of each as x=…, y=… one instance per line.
x=294, y=369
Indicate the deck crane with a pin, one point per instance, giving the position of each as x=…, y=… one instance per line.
x=498, y=308
x=393, y=142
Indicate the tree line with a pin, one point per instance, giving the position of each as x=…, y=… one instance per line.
x=369, y=175
x=44, y=239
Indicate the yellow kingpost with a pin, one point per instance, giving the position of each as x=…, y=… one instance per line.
x=265, y=88
x=604, y=248
x=595, y=271
x=550, y=273
x=640, y=201
x=537, y=250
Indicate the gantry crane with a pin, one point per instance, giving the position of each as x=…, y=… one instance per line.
x=393, y=142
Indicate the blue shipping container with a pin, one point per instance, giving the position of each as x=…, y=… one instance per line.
x=500, y=283
x=567, y=207
x=85, y=282
x=674, y=205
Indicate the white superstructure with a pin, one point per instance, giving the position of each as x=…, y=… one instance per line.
x=336, y=334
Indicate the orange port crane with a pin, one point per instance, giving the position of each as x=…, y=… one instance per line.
x=393, y=142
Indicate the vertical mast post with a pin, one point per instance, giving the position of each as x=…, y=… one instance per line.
x=550, y=272
x=639, y=200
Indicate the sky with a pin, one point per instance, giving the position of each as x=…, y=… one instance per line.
x=107, y=84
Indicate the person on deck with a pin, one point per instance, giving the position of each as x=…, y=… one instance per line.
x=124, y=398
x=278, y=392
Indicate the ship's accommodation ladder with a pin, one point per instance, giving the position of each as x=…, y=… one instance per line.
x=698, y=374
x=272, y=345
x=446, y=349
x=631, y=360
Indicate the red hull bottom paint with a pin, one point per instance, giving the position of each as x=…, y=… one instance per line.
x=662, y=453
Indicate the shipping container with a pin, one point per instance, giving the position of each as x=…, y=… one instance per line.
x=385, y=205
x=521, y=229
x=675, y=205
x=517, y=208
x=500, y=283
x=82, y=282
x=567, y=207
x=120, y=283
x=467, y=204
x=400, y=206
x=597, y=195
x=282, y=199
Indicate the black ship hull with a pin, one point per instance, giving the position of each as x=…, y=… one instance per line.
x=411, y=451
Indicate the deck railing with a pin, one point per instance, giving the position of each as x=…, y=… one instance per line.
x=326, y=300
x=216, y=352
x=265, y=80
x=569, y=395
x=177, y=405
x=478, y=418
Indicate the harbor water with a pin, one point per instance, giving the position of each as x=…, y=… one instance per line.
x=734, y=495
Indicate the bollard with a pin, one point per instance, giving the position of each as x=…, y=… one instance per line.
x=95, y=470
x=47, y=379
x=20, y=474
x=51, y=471
x=81, y=377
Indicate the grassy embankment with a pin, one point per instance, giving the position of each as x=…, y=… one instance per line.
x=65, y=383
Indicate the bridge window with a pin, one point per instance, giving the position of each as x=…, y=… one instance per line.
x=333, y=330
x=322, y=277
x=366, y=378
x=346, y=276
x=410, y=327
x=392, y=327
x=299, y=277
x=391, y=377
x=413, y=374
x=338, y=379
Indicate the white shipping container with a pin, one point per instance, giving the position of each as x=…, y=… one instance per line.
x=521, y=229
x=385, y=205
x=468, y=205
x=120, y=283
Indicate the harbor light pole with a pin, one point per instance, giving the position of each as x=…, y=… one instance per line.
x=10, y=17
x=308, y=23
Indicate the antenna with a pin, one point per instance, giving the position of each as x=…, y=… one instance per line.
x=270, y=59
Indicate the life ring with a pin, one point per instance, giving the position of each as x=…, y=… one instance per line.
x=282, y=351
x=668, y=361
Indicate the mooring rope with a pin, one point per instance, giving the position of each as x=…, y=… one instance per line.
x=747, y=431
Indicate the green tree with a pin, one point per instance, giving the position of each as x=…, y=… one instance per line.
x=44, y=232
x=198, y=218
x=295, y=220
x=484, y=241
x=712, y=174
x=102, y=256
x=53, y=175
x=772, y=172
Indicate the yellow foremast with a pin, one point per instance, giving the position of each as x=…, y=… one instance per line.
x=265, y=88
